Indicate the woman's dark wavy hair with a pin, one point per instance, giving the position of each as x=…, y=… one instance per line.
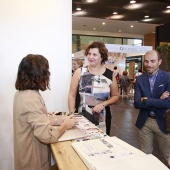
x=102, y=50
x=33, y=73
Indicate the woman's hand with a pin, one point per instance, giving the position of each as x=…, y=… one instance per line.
x=69, y=121
x=60, y=120
x=98, y=108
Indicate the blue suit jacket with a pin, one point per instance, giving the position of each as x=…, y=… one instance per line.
x=153, y=103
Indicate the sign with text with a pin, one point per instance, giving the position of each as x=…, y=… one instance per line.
x=127, y=48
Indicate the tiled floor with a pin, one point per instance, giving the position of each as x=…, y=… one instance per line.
x=124, y=116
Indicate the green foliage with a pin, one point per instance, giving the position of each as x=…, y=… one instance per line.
x=163, y=47
x=165, y=53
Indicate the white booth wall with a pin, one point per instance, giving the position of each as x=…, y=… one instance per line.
x=37, y=27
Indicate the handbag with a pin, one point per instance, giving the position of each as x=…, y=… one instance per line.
x=167, y=120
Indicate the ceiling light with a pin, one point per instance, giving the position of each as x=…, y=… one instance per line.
x=115, y=13
x=116, y=17
x=78, y=9
x=147, y=20
x=120, y=30
x=167, y=11
x=90, y=1
x=147, y=16
x=133, y=6
x=131, y=26
x=94, y=28
x=132, y=2
x=168, y=7
x=103, y=23
x=79, y=13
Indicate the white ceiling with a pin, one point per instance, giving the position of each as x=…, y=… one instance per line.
x=111, y=26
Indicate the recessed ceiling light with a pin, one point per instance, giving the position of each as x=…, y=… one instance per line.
x=120, y=30
x=94, y=28
x=133, y=6
x=132, y=2
x=167, y=11
x=78, y=9
x=79, y=13
x=90, y=1
x=115, y=13
x=168, y=7
x=147, y=20
x=147, y=16
x=103, y=23
x=116, y=17
x=131, y=26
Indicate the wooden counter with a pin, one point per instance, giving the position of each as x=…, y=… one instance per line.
x=66, y=158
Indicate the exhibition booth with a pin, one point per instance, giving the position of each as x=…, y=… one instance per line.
x=122, y=56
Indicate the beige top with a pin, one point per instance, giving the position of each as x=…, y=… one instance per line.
x=32, y=131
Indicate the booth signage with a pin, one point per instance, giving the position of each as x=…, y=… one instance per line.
x=127, y=48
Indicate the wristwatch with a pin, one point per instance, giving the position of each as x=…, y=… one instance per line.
x=70, y=113
x=144, y=99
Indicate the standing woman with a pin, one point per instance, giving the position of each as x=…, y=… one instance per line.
x=33, y=128
x=77, y=63
x=97, y=85
x=124, y=82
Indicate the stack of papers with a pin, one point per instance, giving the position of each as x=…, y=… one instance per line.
x=112, y=153
x=84, y=130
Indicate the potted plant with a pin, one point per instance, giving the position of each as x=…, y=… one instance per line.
x=164, y=49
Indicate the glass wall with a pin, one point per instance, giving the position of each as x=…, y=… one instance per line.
x=132, y=41
x=79, y=42
x=74, y=43
x=85, y=40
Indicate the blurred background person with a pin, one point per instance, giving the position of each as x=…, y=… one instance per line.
x=124, y=82
x=116, y=73
x=33, y=128
x=135, y=71
x=77, y=63
x=96, y=84
x=137, y=74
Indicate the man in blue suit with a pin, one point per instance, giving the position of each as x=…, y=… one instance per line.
x=152, y=97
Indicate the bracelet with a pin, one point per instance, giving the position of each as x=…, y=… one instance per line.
x=70, y=113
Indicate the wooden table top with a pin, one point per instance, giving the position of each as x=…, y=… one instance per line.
x=66, y=158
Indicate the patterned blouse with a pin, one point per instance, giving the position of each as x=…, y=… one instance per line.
x=94, y=89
